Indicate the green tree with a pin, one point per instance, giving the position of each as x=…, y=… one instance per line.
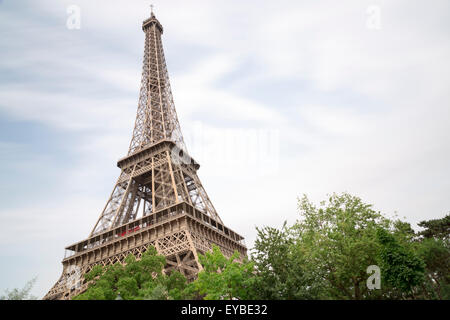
x=434, y=248
x=20, y=294
x=400, y=267
x=339, y=242
x=436, y=255
x=325, y=255
x=224, y=278
x=280, y=266
x=436, y=228
x=135, y=280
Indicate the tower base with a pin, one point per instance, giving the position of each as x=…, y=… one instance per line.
x=180, y=233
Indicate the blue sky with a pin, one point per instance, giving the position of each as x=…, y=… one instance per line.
x=275, y=99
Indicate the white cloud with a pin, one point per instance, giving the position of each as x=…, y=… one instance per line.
x=197, y=92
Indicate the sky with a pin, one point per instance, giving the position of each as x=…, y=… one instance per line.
x=275, y=99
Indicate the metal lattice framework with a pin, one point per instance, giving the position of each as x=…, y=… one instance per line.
x=158, y=199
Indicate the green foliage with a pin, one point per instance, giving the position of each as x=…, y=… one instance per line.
x=20, y=294
x=432, y=246
x=434, y=249
x=326, y=253
x=436, y=228
x=403, y=232
x=339, y=242
x=401, y=268
x=224, y=278
x=280, y=267
x=135, y=280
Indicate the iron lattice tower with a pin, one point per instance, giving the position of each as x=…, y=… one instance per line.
x=158, y=199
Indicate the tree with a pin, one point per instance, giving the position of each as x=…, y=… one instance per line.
x=436, y=255
x=434, y=248
x=339, y=242
x=135, y=280
x=280, y=266
x=401, y=268
x=327, y=252
x=436, y=228
x=224, y=278
x=20, y=294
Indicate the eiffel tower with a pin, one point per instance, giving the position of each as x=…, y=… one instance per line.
x=158, y=199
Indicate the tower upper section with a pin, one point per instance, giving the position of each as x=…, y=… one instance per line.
x=152, y=20
x=156, y=118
